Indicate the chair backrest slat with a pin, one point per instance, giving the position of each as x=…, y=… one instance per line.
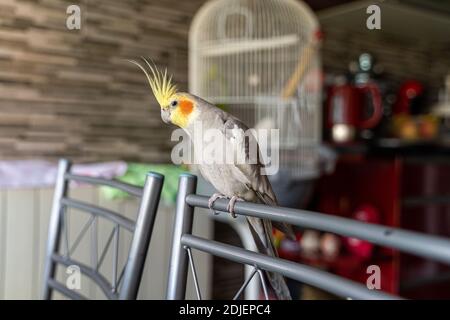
x=126, y=187
x=105, y=213
x=89, y=272
x=64, y=290
x=316, y=277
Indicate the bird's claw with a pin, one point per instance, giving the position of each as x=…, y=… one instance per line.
x=231, y=204
x=213, y=199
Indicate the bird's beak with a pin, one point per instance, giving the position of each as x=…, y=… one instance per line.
x=165, y=115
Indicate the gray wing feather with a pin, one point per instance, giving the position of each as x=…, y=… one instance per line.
x=249, y=172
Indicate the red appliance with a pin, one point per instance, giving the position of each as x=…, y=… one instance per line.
x=410, y=91
x=347, y=108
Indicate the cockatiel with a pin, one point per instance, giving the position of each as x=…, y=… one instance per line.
x=233, y=181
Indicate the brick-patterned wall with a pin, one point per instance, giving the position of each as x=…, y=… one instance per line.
x=71, y=93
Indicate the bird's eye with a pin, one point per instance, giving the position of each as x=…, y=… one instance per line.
x=174, y=103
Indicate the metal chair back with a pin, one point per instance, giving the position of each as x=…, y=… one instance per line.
x=427, y=246
x=125, y=283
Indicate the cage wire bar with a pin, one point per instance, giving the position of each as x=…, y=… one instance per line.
x=419, y=244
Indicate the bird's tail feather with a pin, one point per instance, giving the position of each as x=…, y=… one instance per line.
x=282, y=226
x=262, y=234
x=276, y=280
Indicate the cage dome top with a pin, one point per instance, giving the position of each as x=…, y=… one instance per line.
x=263, y=22
x=248, y=48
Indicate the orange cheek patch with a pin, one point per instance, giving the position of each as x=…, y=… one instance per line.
x=186, y=107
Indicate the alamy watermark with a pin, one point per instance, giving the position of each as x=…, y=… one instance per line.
x=229, y=146
x=73, y=281
x=73, y=20
x=373, y=22
x=374, y=280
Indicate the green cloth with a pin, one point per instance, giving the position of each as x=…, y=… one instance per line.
x=136, y=173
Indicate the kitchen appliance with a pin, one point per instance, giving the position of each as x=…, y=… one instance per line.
x=347, y=109
x=410, y=98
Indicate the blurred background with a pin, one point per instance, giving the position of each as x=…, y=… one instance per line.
x=363, y=110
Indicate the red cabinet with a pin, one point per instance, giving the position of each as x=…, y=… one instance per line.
x=410, y=192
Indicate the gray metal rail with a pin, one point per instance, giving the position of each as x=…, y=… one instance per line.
x=313, y=276
x=77, y=204
x=432, y=247
x=63, y=289
x=89, y=272
x=176, y=283
x=128, y=188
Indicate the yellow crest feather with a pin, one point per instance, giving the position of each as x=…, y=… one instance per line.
x=160, y=83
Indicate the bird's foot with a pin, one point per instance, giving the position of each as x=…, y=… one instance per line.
x=231, y=205
x=212, y=199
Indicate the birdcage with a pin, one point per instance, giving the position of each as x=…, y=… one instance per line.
x=258, y=60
